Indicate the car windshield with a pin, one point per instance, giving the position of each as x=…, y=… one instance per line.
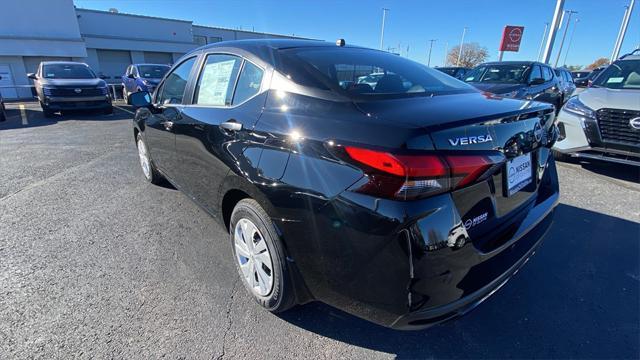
x=152, y=71
x=366, y=74
x=67, y=71
x=620, y=75
x=580, y=74
x=498, y=73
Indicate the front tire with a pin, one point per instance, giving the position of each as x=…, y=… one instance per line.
x=260, y=258
x=108, y=111
x=149, y=170
x=46, y=111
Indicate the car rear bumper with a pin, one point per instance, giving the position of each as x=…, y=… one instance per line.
x=398, y=264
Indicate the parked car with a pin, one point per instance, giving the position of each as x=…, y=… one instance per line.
x=583, y=82
x=565, y=81
x=603, y=122
x=142, y=77
x=404, y=206
x=457, y=72
x=3, y=112
x=65, y=85
x=578, y=76
x=528, y=80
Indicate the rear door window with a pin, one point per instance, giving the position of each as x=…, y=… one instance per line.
x=217, y=80
x=248, y=83
x=547, y=74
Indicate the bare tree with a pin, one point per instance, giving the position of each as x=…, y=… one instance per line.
x=598, y=63
x=472, y=55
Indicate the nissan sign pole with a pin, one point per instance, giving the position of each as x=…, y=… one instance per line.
x=511, y=37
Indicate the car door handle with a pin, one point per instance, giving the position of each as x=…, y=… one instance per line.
x=231, y=125
x=168, y=125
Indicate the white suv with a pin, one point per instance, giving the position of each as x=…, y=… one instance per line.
x=603, y=122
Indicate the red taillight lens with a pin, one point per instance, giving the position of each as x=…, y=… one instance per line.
x=415, y=176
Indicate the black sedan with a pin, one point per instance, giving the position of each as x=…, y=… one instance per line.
x=406, y=202
x=528, y=80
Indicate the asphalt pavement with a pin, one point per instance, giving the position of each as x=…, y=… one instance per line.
x=97, y=263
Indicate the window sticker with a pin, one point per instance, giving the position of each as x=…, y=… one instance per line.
x=615, y=80
x=215, y=83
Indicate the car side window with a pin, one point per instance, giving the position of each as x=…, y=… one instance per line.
x=248, y=83
x=172, y=91
x=134, y=71
x=547, y=74
x=217, y=80
x=535, y=73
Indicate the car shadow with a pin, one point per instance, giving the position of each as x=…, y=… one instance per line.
x=576, y=298
x=617, y=171
x=33, y=117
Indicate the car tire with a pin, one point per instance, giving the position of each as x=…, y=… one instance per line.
x=125, y=96
x=559, y=156
x=264, y=270
x=108, y=111
x=46, y=111
x=3, y=113
x=149, y=170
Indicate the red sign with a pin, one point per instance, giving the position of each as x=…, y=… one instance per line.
x=511, y=37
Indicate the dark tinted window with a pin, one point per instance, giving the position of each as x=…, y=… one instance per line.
x=547, y=75
x=152, y=71
x=536, y=73
x=218, y=77
x=248, y=83
x=175, y=84
x=365, y=73
x=623, y=74
x=67, y=71
x=498, y=73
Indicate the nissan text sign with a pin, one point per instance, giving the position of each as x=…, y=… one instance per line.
x=511, y=37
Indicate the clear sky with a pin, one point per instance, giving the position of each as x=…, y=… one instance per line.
x=409, y=23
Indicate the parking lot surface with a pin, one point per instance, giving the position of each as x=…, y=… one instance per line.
x=96, y=262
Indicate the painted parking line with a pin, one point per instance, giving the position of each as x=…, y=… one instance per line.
x=125, y=110
x=23, y=115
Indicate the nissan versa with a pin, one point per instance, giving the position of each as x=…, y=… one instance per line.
x=406, y=203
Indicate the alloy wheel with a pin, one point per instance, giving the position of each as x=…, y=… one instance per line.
x=144, y=159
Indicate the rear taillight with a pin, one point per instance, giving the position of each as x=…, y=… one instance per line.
x=404, y=177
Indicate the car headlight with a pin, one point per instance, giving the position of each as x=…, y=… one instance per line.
x=575, y=106
x=104, y=90
x=512, y=94
x=47, y=91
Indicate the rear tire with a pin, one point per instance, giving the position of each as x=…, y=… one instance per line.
x=46, y=111
x=149, y=170
x=3, y=113
x=264, y=270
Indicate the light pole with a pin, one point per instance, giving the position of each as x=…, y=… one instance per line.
x=546, y=57
x=570, y=40
x=564, y=35
x=544, y=35
x=430, y=48
x=464, y=31
x=623, y=31
x=384, y=16
x=446, y=53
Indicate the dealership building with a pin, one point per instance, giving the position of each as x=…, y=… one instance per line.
x=32, y=31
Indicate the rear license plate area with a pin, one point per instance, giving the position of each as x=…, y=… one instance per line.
x=518, y=174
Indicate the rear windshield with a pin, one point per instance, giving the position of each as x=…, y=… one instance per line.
x=580, y=74
x=152, y=71
x=498, y=73
x=620, y=75
x=366, y=74
x=67, y=71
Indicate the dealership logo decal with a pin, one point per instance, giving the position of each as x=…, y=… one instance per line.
x=468, y=140
x=469, y=223
x=635, y=123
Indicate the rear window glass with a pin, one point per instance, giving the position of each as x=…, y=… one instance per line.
x=152, y=71
x=67, y=71
x=364, y=73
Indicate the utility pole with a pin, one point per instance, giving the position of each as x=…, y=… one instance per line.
x=564, y=35
x=552, y=32
x=570, y=40
x=544, y=35
x=623, y=31
x=384, y=16
x=464, y=31
x=430, y=48
x=446, y=53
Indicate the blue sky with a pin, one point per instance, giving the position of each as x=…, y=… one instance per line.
x=409, y=23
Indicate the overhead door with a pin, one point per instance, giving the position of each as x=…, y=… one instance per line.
x=113, y=64
x=31, y=62
x=158, y=58
x=6, y=80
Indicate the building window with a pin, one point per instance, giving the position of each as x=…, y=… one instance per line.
x=214, y=39
x=200, y=40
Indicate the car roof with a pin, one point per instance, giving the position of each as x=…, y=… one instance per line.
x=63, y=63
x=150, y=64
x=271, y=43
x=513, y=63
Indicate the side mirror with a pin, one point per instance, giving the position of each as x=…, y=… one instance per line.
x=140, y=99
x=103, y=77
x=536, y=81
x=32, y=76
x=131, y=76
